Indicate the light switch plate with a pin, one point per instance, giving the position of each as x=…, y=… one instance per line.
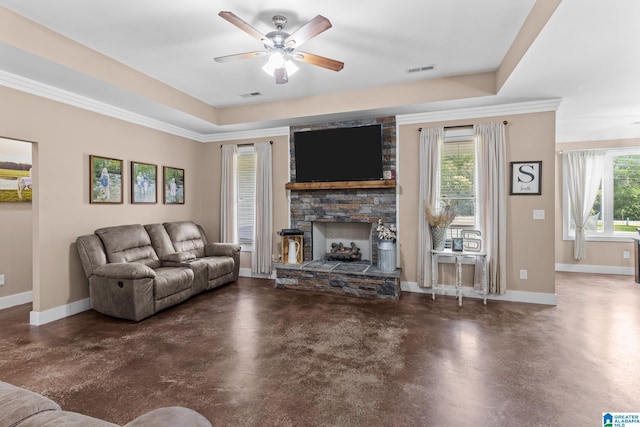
x=538, y=214
x=1, y=279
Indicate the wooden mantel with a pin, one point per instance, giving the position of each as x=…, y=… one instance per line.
x=341, y=185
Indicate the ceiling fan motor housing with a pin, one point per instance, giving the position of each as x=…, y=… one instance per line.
x=278, y=37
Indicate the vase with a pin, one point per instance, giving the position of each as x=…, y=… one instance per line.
x=438, y=237
x=386, y=255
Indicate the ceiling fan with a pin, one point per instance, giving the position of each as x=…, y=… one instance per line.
x=281, y=46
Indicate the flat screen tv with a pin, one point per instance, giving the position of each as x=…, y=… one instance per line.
x=339, y=154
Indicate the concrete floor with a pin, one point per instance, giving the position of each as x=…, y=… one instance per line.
x=251, y=355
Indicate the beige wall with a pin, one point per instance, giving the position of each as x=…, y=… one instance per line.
x=65, y=137
x=529, y=242
x=608, y=254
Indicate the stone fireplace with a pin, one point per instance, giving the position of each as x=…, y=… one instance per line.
x=360, y=208
x=343, y=215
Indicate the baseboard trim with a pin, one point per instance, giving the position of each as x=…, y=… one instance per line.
x=468, y=292
x=596, y=269
x=38, y=318
x=17, y=299
x=246, y=272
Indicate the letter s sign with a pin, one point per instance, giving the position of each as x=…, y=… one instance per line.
x=526, y=178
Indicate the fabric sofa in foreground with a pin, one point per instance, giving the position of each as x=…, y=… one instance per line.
x=23, y=408
x=134, y=271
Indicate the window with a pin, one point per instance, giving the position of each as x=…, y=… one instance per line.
x=616, y=211
x=458, y=177
x=246, y=194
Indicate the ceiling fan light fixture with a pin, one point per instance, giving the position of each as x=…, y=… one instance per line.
x=291, y=67
x=278, y=59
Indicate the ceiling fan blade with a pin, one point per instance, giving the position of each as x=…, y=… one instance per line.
x=237, y=56
x=308, y=31
x=247, y=28
x=318, y=60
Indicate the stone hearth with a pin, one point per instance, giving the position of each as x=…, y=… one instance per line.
x=351, y=279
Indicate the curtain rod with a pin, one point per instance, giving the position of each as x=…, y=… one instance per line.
x=599, y=149
x=463, y=126
x=244, y=145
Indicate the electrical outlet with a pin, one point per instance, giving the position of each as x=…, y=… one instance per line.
x=626, y=255
x=376, y=200
x=523, y=274
x=1, y=279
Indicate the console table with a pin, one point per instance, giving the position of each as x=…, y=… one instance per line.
x=458, y=256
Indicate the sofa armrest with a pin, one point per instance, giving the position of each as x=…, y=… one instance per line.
x=221, y=249
x=124, y=271
x=178, y=257
x=169, y=417
x=19, y=404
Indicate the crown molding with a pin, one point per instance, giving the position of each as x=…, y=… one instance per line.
x=43, y=90
x=33, y=87
x=477, y=112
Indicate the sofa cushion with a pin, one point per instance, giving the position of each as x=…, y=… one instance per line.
x=128, y=243
x=186, y=236
x=170, y=417
x=160, y=239
x=91, y=253
x=215, y=266
x=64, y=419
x=171, y=280
x=17, y=404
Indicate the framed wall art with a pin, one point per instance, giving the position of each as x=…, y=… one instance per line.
x=15, y=170
x=457, y=244
x=173, y=185
x=526, y=178
x=144, y=183
x=105, y=180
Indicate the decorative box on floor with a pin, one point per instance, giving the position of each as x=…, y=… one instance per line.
x=292, y=246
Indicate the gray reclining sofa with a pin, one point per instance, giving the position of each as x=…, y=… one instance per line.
x=20, y=407
x=135, y=271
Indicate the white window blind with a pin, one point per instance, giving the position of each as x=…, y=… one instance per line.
x=458, y=175
x=246, y=194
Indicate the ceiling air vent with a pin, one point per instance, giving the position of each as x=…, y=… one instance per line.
x=420, y=69
x=250, y=94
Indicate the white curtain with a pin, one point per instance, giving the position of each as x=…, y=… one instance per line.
x=582, y=171
x=492, y=201
x=263, y=225
x=430, y=149
x=227, y=194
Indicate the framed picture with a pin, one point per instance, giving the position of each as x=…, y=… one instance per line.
x=15, y=170
x=144, y=178
x=525, y=178
x=456, y=244
x=105, y=180
x=173, y=185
